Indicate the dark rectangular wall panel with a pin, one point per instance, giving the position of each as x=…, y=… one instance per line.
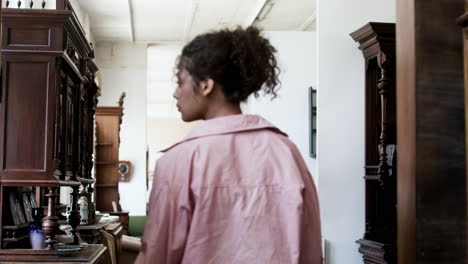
x=431, y=133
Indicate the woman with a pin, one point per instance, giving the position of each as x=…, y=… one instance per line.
x=236, y=190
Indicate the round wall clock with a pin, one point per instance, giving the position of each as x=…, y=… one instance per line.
x=125, y=168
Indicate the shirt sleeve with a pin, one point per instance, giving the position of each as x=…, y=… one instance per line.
x=169, y=216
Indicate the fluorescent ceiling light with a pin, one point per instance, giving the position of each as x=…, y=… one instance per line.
x=265, y=11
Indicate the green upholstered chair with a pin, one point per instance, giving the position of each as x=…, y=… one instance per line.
x=136, y=225
x=131, y=244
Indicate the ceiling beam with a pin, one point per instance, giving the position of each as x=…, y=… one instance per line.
x=132, y=24
x=309, y=21
x=255, y=12
x=190, y=15
x=155, y=43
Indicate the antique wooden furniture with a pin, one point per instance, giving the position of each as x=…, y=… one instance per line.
x=432, y=203
x=463, y=22
x=100, y=233
x=91, y=234
x=123, y=219
x=110, y=242
x=91, y=254
x=377, y=42
x=113, y=235
x=108, y=121
x=47, y=105
x=109, y=234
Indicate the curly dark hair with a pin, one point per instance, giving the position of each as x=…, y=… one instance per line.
x=241, y=61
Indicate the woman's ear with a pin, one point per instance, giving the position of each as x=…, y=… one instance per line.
x=207, y=87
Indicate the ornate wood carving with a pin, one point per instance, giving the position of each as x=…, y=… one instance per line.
x=74, y=214
x=50, y=225
x=121, y=99
x=84, y=134
x=59, y=118
x=69, y=130
x=377, y=42
x=52, y=97
x=72, y=53
x=383, y=86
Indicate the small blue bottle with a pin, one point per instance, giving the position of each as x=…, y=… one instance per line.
x=36, y=235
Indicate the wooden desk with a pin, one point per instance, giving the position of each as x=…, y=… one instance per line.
x=91, y=254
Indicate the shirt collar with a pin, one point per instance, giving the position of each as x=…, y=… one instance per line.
x=227, y=125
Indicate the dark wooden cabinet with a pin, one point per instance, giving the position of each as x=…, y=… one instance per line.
x=48, y=98
x=432, y=176
x=377, y=42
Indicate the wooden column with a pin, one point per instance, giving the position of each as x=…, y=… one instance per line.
x=50, y=226
x=431, y=187
x=74, y=214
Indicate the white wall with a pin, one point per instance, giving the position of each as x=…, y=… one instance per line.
x=340, y=86
x=123, y=69
x=163, y=132
x=161, y=79
x=83, y=17
x=290, y=110
x=164, y=123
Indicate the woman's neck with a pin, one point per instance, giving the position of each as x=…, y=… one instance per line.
x=223, y=109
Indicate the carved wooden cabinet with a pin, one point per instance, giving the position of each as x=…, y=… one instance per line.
x=47, y=104
x=377, y=42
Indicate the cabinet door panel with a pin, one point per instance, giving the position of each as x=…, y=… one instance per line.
x=27, y=117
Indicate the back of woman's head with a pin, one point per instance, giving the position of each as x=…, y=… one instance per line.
x=241, y=61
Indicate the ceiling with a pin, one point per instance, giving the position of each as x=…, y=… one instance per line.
x=161, y=21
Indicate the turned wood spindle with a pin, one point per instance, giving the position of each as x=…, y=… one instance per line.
x=43, y=4
x=50, y=225
x=91, y=205
x=74, y=214
x=382, y=86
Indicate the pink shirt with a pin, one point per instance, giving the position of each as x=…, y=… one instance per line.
x=236, y=190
